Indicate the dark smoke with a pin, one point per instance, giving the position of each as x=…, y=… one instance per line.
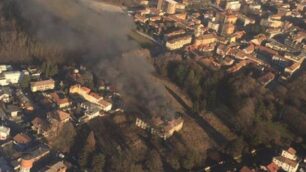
x=102, y=37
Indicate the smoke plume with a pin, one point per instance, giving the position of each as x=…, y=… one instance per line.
x=101, y=38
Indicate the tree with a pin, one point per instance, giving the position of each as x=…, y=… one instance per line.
x=25, y=81
x=153, y=162
x=98, y=162
x=191, y=160
x=235, y=147
x=86, y=151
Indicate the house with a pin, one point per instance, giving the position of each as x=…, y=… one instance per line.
x=178, y=42
x=292, y=68
x=24, y=101
x=286, y=164
x=39, y=125
x=13, y=111
x=205, y=40
x=160, y=127
x=59, y=116
x=287, y=160
x=5, y=68
x=39, y=152
x=290, y=153
x=91, y=111
x=91, y=97
x=5, y=94
x=10, y=77
x=60, y=102
x=42, y=85
x=266, y=78
x=4, y=132
x=22, y=140
x=59, y=166
x=272, y=167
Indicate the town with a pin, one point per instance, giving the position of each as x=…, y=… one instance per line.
x=34, y=110
x=230, y=34
x=227, y=91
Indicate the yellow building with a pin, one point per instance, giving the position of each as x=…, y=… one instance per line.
x=205, y=39
x=177, y=43
x=163, y=129
x=42, y=85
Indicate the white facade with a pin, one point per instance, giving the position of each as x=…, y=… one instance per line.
x=4, y=132
x=42, y=85
x=10, y=77
x=233, y=5
x=5, y=68
x=288, y=155
x=286, y=164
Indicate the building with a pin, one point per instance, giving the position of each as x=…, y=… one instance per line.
x=272, y=167
x=228, y=29
x=59, y=116
x=4, y=132
x=292, y=68
x=178, y=42
x=59, y=166
x=42, y=85
x=160, y=4
x=24, y=101
x=5, y=94
x=22, y=140
x=10, y=77
x=205, y=40
x=39, y=125
x=170, y=6
x=61, y=102
x=90, y=96
x=266, y=78
x=286, y=164
x=4, y=68
x=26, y=164
x=287, y=161
x=90, y=111
x=160, y=127
x=233, y=5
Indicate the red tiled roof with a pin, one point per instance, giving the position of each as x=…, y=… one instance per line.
x=22, y=138
x=272, y=167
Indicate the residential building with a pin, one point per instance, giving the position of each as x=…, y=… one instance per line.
x=233, y=5
x=287, y=160
x=4, y=132
x=5, y=68
x=59, y=166
x=160, y=127
x=286, y=164
x=59, y=116
x=10, y=77
x=5, y=94
x=90, y=96
x=61, y=102
x=170, y=6
x=292, y=68
x=22, y=140
x=42, y=85
x=266, y=78
x=26, y=165
x=179, y=42
x=39, y=125
x=205, y=39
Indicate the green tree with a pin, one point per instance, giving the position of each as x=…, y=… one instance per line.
x=86, y=151
x=98, y=162
x=25, y=81
x=153, y=162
